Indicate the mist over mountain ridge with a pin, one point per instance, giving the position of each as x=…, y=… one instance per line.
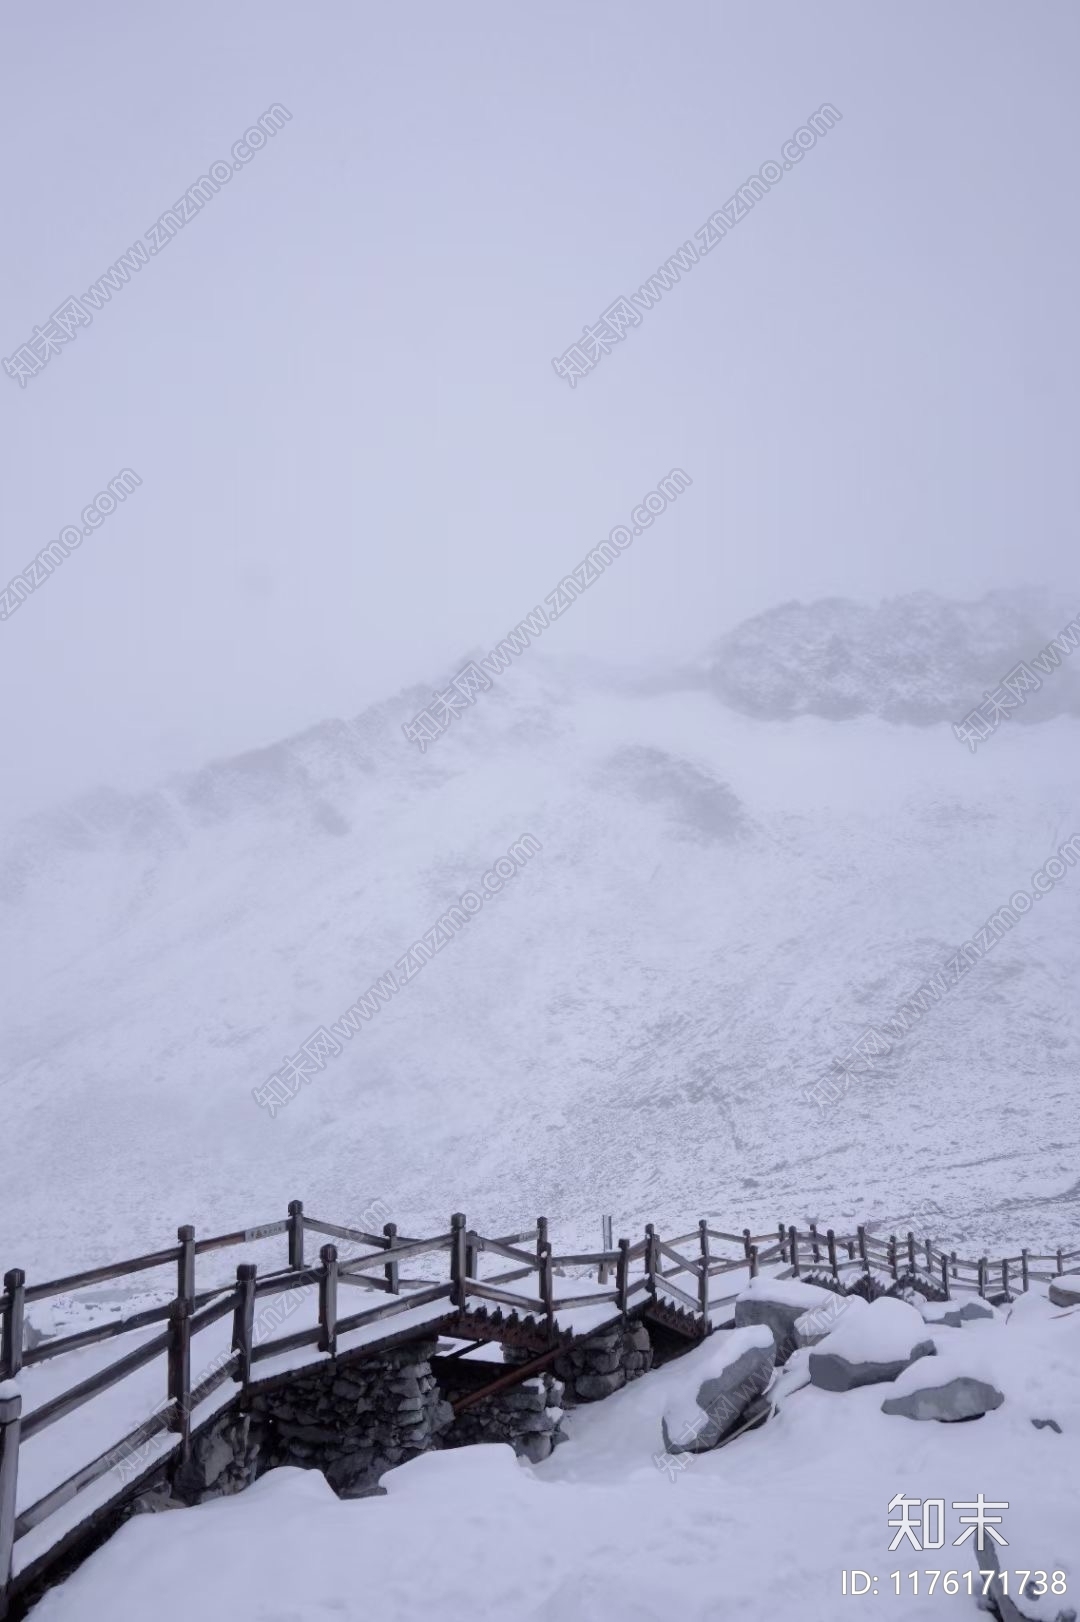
x=916, y=659
x=721, y=904
x=912, y=660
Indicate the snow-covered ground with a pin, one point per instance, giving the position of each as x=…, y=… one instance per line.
x=722, y=903
x=607, y=1530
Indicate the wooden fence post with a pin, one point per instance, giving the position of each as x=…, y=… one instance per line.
x=703, y=1281
x=830, y=1240
x=1060, y=1262
x=15, y=1286
x=185, y=1264
x=243, y=1335
x=892, y=1256
x=296, y=1234
x=10, y=1425
x=547, y=1288
x=328, y=1283
x=604, y=1272
x=952, y=1260
x=650, y=1258
x=471, y=1253
x=782, y=1234
x=179, y=1361
x=911, y=1251
x=458, y=1271
x=982, y=1275
x=862, y=1248
x=541, y=1235
x=1024, y=1270
x=1005, y=1274
x=929, y=1256
x=391, y=1268
x=746, y=1241
x=622, y=1276
x=793, y=1251
x=753, y=1261
x=945, y=1274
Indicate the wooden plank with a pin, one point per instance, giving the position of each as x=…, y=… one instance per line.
x=98, y=1275
x=664, y=1288
x=403, y=1303
x=513, y=1376
x=213, y=1311
x=90, y=1337
x=285, y=1343
x=686, y=1264
x=279, y=1283
x=505, y=1298
x=497, y=1248
x=66, y=1490
x=241, y=1236
x=568, y=1303
x=400, y=1253
x=525, y=1238
x=76, y=1395
x=362, y=1281
x=352, y=1234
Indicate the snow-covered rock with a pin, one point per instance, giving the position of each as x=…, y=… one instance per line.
x=1065, y=1290
x=954, y=1313
x=961, y=1397
x=959, y=1382
x=779, y=1304
x=871, y=1346
x=814, y=1325
x=737, y=1367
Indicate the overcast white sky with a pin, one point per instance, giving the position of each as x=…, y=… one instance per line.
x=336, y=382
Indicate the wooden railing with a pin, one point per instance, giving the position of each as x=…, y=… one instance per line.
x=639, y=1274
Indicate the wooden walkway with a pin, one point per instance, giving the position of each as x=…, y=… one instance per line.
x=141, y=1406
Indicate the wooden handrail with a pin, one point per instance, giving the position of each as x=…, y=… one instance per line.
x=76, y=1395
x=99, y=1275
x=496, y=1247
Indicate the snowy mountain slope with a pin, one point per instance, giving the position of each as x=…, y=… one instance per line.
x=721, y=905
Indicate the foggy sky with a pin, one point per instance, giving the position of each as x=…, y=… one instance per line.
x=336, y=385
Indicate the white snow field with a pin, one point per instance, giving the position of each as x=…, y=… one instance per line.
x=726, y=895
x=610, y=1530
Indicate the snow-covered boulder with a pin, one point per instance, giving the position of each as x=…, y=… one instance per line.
x=779, y=1303
x=958, y=1383
x=737, y=1367
x=814, y=1325
x=1065, y=1290
x=954, y=1313
x=870, y=1346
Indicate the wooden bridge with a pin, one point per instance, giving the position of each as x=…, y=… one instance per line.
x=56, y=1497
